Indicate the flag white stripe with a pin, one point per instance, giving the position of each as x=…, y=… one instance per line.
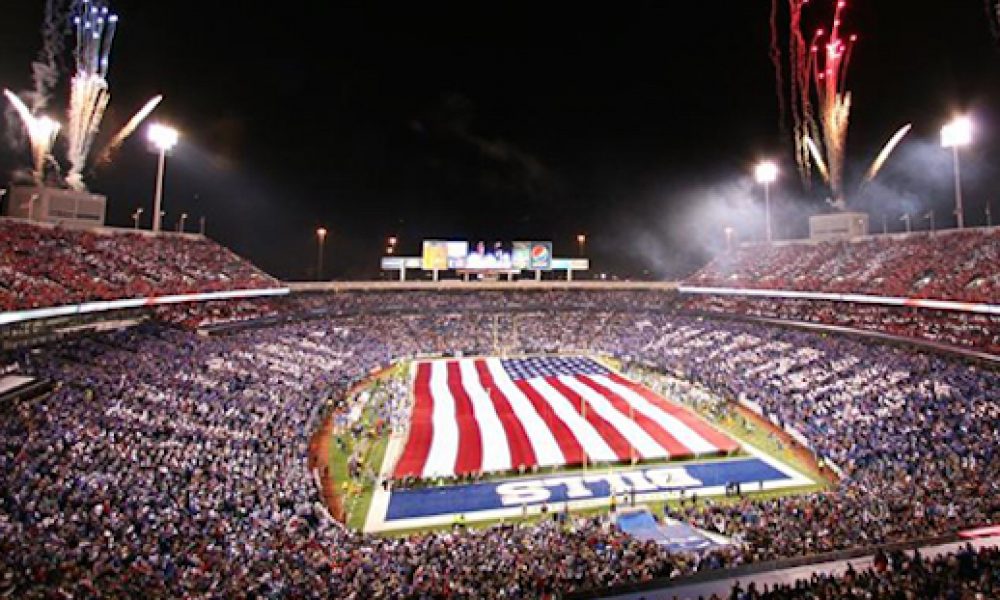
x=496, y=449
x=637, y=437
x=674, y=426
x=543, y=442
x=591, y=441
x=442, y=456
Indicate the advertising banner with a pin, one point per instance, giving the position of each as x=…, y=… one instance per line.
x=521, y=255
x=541, y=256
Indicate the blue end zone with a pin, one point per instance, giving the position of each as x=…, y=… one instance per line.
x=436, y=501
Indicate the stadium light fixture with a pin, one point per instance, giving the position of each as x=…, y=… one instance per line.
x=729, y=239
x=766, y=173
x=163, y=139
x=955, y=135
x=581, y=242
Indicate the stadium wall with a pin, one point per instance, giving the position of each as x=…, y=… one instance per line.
x=19, y=316
x=971, y=307
x=472, y=286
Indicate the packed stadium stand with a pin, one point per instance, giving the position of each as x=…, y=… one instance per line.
x=188, y=454
x=974, y=331
x=968, y=573
x=953, y=265
x=169, y=463
x=43, y=266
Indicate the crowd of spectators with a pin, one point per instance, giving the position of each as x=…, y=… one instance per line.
x=169, y=463
x=915, y=434
x=43, y=266
x=968, y=574
x=949, y=265
x=974, y=331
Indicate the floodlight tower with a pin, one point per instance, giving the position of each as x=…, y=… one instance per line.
x=163, y=139
x=766, y=173
x=955, y=135
x=321, y=241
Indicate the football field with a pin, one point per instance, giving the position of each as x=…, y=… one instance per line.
x=493, y=438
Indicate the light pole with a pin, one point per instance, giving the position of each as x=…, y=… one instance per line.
x=989, y=215
x=31, y=206
x=163, y=138
x=321, y=238
x=906, y=218
x=180, y=224
x=729, y=239
x=955, y=135
x=135, y=217
x=767, y=173
x=581, y=242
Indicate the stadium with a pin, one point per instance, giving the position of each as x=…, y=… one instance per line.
x=791, y=417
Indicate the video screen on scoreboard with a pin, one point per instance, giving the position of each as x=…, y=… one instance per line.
x=486, y=256
x=440, y=255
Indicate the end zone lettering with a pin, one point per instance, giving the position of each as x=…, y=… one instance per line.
x=532, y=491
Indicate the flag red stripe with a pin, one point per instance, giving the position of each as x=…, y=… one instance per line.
x=571, y=449
x=521, y=452
x=418, y=444
x=470, y=441
x=672, y=445
x=611, y=435
x=713, y=436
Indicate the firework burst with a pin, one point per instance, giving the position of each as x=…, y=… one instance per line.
x=128, y=129
x=820, y=102
x=89, y=96
x=886, y=151
x=41, y=131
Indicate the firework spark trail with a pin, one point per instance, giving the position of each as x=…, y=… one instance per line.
x=799, y=57
x=41, y=134
x=89, y=95
x=820, y=102
x=817, y=158
x=779, y=81
x=829, y=80
x=128, y=129
x=886, y=152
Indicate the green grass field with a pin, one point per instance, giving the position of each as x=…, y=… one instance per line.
x=358, y=493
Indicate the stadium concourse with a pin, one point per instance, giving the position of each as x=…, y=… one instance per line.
x=168, y=462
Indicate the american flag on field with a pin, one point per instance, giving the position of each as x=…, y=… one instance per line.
x=490, y=414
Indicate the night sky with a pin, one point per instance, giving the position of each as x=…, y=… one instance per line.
x=636, y=123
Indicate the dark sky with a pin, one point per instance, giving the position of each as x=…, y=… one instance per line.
x=505, y=120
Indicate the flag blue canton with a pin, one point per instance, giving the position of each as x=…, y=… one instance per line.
x=551, y=366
